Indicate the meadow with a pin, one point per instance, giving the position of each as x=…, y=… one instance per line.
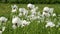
x=34, y=27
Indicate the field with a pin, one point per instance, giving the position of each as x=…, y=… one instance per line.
x=34, y=27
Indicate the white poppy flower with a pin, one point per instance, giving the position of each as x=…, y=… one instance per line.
x=3, y=19
x=31, y=6
x=24, y=23
x=23, y=11
x=33, y=17
x=14, y=8
x=33, y=11
x=50, y=24
x=46, y=9
x=16, y=21
x=46, y=14
x=51, y=10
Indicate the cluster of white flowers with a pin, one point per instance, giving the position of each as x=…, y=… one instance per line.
x=24, y=23
x=33, y=16
x=17, y=21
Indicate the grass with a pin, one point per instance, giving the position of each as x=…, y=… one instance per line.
x=34, y=27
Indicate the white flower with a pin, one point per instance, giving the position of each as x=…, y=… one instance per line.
x=36, y=7
x=14, y=26
x=0, y=32
x=46, y=9
x=50, y=24
x=54, y=14
x=14, y=8
x=33, y=17
x=24, y=23
x=20, y=14
x=3, y=19
x=16, y=21
x=31, y=6
x=3, y=28
x=46, y=14
x=23, y=11
x=33, y=11
x=51, y=10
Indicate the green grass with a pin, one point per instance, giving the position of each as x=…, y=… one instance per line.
x=34, y=27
